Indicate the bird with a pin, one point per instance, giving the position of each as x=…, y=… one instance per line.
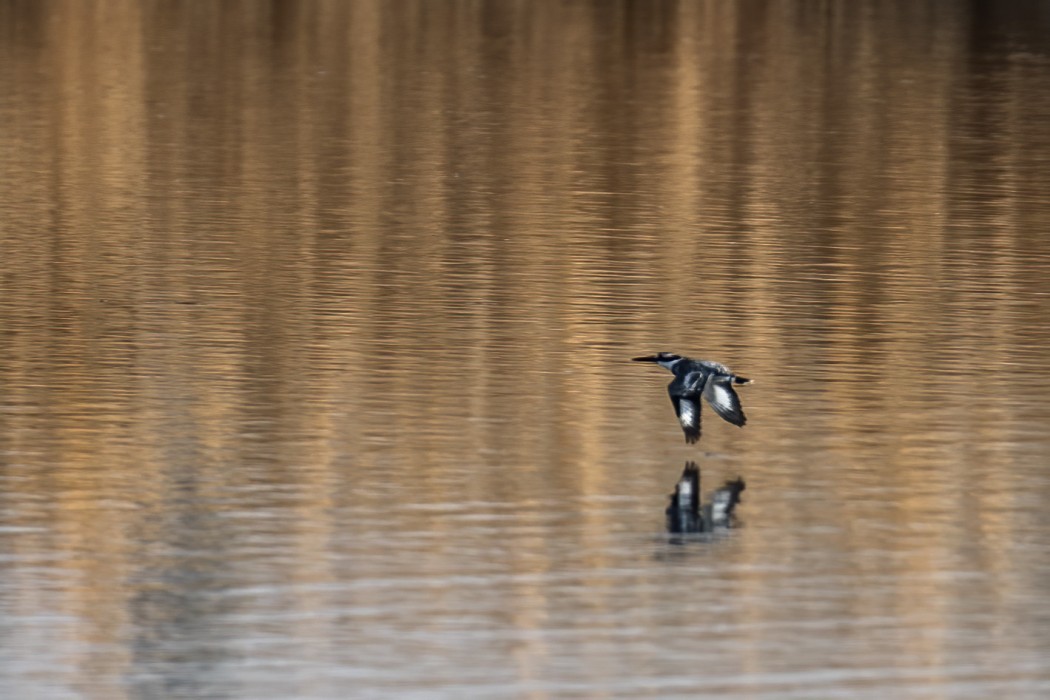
x=685, y=514
x=696, y=378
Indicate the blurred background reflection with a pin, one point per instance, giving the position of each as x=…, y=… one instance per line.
x=315, y=327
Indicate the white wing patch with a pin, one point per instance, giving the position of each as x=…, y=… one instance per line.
x=685, y=490
x=721, y=398
x=687, y=413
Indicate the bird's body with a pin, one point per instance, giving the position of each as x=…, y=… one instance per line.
x=694, y=379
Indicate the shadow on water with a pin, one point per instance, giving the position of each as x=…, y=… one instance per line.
x=687, y=514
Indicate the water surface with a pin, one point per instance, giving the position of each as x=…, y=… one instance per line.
x=315, y=327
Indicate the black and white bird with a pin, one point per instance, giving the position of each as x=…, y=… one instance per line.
x=699, y=378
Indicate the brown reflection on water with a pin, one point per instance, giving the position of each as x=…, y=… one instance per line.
x=315, y=313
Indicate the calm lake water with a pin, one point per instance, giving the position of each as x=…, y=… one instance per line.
x=315, y=329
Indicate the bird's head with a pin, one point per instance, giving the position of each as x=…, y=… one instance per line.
x=664, y=359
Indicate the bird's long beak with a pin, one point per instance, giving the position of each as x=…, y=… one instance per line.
x=647, y=358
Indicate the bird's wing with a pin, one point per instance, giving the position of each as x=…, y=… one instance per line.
x=719, y=393
x=687, y=408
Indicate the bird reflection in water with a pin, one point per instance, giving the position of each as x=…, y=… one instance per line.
x=688, y=514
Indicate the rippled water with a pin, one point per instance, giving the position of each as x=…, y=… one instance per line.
x=316, y=327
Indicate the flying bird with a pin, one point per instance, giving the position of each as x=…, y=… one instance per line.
x=696, y=378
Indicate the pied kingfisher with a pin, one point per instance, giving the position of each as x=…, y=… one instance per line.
x=696, y=378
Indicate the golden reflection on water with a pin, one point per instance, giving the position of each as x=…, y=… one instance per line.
x=316, y=318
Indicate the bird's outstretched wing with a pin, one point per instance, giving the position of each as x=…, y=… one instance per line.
x=718, y=391
x=688, y=411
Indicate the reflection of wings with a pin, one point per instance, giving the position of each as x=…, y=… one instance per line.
x=687, y=408
x=719, y=393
